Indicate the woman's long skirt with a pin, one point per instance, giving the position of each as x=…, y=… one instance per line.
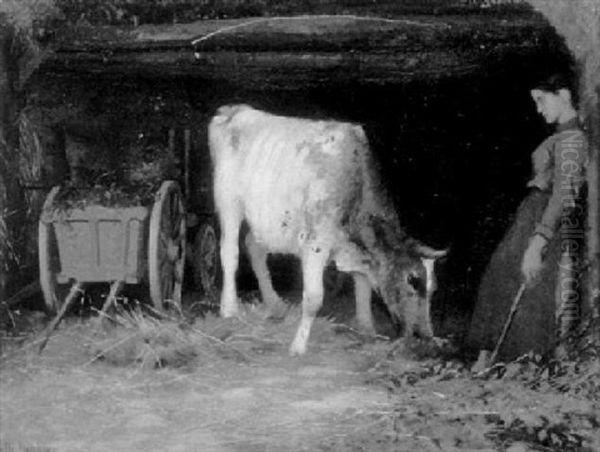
x=533, y=326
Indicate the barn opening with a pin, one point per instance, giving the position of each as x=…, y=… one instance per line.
x=444, y=99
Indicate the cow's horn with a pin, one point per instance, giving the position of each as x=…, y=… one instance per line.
x=428, y=252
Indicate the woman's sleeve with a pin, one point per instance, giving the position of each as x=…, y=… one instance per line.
x=570, y=160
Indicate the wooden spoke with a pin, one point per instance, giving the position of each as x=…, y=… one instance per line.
x=166, y=245
x=206, y=265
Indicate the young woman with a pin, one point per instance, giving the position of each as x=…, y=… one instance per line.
x=541, y=247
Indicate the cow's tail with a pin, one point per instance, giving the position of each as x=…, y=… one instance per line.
x=360, y=135
x=219, y=125
x=217, y=131
x=226, y=112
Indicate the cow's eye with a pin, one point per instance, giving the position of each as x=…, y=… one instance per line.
x=415, y=282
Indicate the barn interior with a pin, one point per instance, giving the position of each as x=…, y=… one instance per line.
x=442, y=92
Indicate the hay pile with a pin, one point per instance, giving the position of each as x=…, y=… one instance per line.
x=141, y=338
x=435, y=400
x=132, y=181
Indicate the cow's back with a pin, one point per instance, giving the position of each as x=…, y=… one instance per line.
x=292, y=178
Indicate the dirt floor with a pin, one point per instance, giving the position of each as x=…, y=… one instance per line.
x=229, y=385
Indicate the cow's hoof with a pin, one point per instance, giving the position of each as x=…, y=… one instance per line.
x=277, y=311
x=228, y=312
x=440, y=342
x=366, y=329
x=297, y=349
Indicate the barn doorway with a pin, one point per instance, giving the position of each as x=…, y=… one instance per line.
x=453, y=146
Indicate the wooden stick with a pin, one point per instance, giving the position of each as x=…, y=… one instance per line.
x=115, y=288
x=76, y=289
x=593, y=212
x=511, y=315
x=29, y=290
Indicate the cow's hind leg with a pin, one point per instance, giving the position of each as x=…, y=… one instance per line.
x=313, y=264
x=258, y=260
x=230, y=229
x=362, y=295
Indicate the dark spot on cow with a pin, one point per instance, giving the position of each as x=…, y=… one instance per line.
x=235, y=138
x=317, y=250
x=300, y=146
x=358, y=242
x=314, y=149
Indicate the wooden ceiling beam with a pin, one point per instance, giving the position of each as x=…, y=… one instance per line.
x=308, y=51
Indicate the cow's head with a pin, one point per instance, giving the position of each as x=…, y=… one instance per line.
x=407, y=281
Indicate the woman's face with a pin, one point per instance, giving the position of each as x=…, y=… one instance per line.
x=552, y=106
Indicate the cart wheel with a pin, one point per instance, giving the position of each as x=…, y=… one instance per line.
x=206, y=263
x=166, y=246
x=49, y=260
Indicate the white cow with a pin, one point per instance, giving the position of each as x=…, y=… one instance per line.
x=310, y=188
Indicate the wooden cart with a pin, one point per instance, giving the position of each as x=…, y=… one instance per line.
x=117, y=245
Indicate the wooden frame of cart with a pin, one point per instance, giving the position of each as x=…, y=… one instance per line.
x=142, y=245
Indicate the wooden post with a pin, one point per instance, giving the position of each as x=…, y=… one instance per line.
x=187, y=149
x=171, y=141
x=593, y=237
x=11, y=193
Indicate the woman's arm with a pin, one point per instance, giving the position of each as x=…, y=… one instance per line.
x=570, y=160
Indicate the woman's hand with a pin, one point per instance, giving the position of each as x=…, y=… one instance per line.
x=532, y=259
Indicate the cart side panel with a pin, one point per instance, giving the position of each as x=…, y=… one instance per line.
x=98, y=244
x=75, y=249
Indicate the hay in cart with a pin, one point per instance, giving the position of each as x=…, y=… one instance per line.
x=115, y=227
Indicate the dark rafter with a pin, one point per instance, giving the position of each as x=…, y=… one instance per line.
x=282, y=52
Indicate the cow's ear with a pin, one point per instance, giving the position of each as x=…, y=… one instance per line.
x=368, y=237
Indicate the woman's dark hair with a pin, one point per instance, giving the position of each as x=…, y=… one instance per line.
x=558, y=81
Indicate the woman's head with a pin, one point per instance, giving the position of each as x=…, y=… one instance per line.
x=555, y=98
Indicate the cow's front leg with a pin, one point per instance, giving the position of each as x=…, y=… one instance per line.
x=362, y=296
x=313, y=264
x=258, y=260
x=230, y=228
